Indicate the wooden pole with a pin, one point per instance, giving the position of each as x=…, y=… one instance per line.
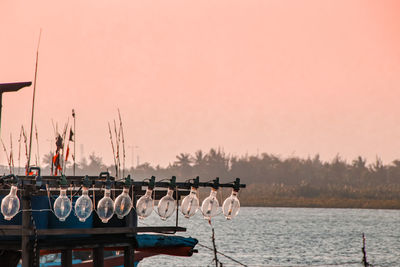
x=26, y=250
x=129, y=253
x=66, y=258
x=364, y=260
x=177, y=206
x=98, y=257
x=215, y=248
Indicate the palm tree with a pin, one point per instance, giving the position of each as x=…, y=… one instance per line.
x=359, y=162
x=184, y=164
x=199, y=158
x=96, y=165
x=47, y=159
x=183, y=160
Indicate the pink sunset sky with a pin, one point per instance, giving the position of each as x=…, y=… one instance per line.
x=278, y=76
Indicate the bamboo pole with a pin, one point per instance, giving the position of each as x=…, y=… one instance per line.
x=33, y=102
x=123, y=144
x=113, y=150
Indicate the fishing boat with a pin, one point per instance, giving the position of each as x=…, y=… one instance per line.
x=38, y=227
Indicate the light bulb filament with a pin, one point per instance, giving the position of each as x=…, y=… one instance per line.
x=210, y=206
x=144, y=208
x=166, y=209
x=190, y=206
x=230, y=207
x=9, y=207
x=122, y=204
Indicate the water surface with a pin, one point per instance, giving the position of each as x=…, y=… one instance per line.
x=290, y=237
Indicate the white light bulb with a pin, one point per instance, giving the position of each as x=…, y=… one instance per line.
x=190, y=203
x=105, y=207
x=10, y=204
x=83, y=205
x=123, y=204
x=231, y=206
x=62, y=205
x=210, y=205
x=145, y=204
x=166, y=205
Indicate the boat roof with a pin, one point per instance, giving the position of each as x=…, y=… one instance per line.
x=12, y=87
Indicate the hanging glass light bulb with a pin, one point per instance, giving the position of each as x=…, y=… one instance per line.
x=166, y=205
x=231, y=205
x=190, y=203
x=123, y=204
x=83, y=205
x=10, y=204
x=145, y=204
x=105, y=207
x=210, y=205
x=62, y=205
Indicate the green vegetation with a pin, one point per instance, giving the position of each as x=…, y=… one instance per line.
x=276, y=181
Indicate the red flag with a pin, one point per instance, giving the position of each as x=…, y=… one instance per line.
x=67, y=153
x=55, y=158
x=56, y=161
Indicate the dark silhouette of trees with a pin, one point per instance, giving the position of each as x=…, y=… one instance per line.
x=273, y=180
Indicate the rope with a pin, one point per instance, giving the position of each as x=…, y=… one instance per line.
x=232, y=259
x=77, y=192
x=214, y=249
x=316, y=265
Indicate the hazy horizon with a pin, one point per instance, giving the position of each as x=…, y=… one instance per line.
x=284, y=77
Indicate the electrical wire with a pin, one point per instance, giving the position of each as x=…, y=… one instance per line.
x=77, y=191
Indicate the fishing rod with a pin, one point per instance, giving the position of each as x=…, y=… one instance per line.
x=33, y=102
x=112, y=146
x=123, y=144
x=11, y=154
x=117, y=140
x=55, y=151
x=19, y=150
x=26, y=148
x=8, y=158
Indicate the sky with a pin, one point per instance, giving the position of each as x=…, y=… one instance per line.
x=292, y=78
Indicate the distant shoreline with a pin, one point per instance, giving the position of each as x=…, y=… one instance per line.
x=324, y=203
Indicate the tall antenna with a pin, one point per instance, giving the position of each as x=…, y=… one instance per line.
x=33, y=101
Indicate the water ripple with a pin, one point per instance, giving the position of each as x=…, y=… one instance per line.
x=292, y=237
